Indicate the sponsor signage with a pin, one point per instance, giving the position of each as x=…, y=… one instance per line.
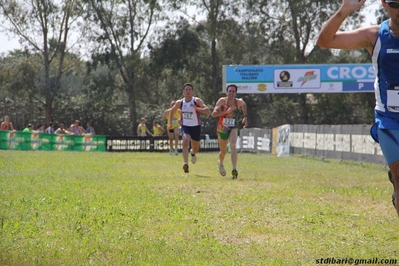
x=18, y=140
x=300, y=78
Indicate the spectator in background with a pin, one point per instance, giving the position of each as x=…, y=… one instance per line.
x=40, y=128
x=82, y=129
x=142, y=129
x=62, y=131
x=157, y=129
x=50, y=129
x=6, y=124
x=28, y=128
x=76, y=129
x=89, y=129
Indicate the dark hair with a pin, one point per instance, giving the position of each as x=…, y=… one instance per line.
x=188, y=84
x=232, y=85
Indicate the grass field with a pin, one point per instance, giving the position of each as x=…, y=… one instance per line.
x=75, y=208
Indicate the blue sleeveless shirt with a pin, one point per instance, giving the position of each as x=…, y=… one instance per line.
x=385, y=59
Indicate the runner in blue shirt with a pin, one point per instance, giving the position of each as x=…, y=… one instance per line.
x=382, y=42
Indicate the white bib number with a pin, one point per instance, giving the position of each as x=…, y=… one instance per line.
x=188, y=115
x=393, y=99
x=229, y=122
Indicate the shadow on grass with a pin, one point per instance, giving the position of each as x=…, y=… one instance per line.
x=203, y=176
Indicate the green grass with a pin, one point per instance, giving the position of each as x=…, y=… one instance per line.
x=75, y=208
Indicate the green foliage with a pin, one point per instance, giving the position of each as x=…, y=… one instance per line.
x=381, y=15
x=75, y=208
x=282, y=110
x=21, y=89
x=176, y=48
x=138, y=56
x=343, y=109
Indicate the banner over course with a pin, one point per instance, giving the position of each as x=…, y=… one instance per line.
x=333, y=78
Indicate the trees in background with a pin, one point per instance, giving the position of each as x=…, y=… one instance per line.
x=44, y=27
x=137, y=55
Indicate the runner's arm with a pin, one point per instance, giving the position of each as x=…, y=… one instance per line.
x=243, y=107
x=201, y=107
x=172, y=111
x=216, y=110
x=331, y=37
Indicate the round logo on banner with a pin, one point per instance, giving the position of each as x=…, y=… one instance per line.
x=285, y=76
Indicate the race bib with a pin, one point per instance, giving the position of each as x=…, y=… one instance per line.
x=393, y=99
x=188, y=115
x=229, y=122
x=174, y=121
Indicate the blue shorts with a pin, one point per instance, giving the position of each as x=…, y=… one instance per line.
x=194, y=132
x=389, y=143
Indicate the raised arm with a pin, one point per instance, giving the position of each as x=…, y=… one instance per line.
x=330, y=37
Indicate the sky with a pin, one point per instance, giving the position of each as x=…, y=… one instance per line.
x=7, y=44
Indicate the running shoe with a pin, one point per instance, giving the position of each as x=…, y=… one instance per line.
x=176, y=152
x=234, y=174
x=185, y=168
x=222, y=171
x=193, y=157
x=394, y=193
x=170, y=152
